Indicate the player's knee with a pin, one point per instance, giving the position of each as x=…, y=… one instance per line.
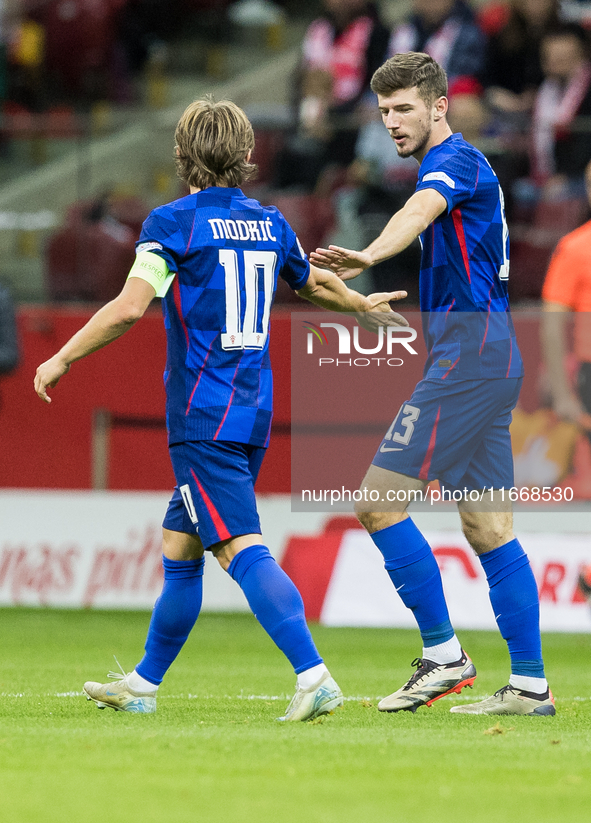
x=181, y=546
x=472, y=533
x=485, y=536
x=366, y=518
x=376, y=521
x=369, y=519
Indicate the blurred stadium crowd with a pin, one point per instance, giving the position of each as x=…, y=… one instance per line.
x=520, y=89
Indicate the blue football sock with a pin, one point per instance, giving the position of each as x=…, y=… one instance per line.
x=514, y=598
x=415, y=574
x=174, y=615
x=276, y=604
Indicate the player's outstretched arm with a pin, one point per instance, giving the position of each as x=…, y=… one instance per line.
x=405, y=226
x=109, y=323
x=345, y=263
x=381, y=313
x=324, y=289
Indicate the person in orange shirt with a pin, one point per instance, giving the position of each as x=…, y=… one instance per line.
x=567, y=288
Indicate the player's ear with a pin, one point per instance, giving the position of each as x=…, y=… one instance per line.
x=248, y=156
x=440, y=108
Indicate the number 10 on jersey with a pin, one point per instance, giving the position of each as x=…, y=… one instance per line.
x=243, y=270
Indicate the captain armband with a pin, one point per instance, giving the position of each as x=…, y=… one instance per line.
x=154, y=270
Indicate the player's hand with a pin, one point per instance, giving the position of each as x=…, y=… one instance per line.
x=345, y=263
x=379, y=312
x=48, y=375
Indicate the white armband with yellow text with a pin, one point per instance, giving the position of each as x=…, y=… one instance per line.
x=154, y=270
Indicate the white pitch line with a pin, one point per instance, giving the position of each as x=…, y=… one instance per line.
x=265, y=697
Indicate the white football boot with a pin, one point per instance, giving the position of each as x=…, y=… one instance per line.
x=430, y=682
x=321, y=698
x=119, y=696
x=510, y=700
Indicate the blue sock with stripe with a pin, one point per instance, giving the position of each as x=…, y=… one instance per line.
x=276, y=604
x=416, y=577
x=174, y=615
x=514, y=598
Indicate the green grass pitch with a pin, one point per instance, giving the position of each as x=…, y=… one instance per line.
x=213, y=752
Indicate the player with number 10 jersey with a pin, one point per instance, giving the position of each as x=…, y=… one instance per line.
x=227, y=251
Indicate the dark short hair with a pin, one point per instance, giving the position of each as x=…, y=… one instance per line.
x=413, y=69
x=213, y=140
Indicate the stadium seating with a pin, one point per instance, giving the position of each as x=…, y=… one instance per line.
x=268, y=143
x=89, y=263
x=311, y=218
x=532, y=243
x=79, y=38
x=89, y=258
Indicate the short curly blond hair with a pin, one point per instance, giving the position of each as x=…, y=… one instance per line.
x=213, y=140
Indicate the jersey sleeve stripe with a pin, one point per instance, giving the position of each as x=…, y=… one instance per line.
x=487, y=319
x=177, y=302
x=192, y=230
x=215, y=437
x=199, y=375
x=451, y=368
x=510, y=356
x=459, y=227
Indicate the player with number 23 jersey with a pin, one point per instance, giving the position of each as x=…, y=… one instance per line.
x=455, y=427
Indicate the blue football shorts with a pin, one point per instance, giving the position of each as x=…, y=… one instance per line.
x=456, y=432
x=214, y=495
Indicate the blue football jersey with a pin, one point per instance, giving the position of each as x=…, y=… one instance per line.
x=465, y=268
x=227, y=251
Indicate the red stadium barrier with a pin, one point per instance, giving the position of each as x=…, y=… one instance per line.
x=52, y=446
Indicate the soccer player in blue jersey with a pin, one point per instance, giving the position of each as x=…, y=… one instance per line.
x=455, y=427
x=214, y=257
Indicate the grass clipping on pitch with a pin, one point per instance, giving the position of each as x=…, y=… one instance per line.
x=214, y=753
